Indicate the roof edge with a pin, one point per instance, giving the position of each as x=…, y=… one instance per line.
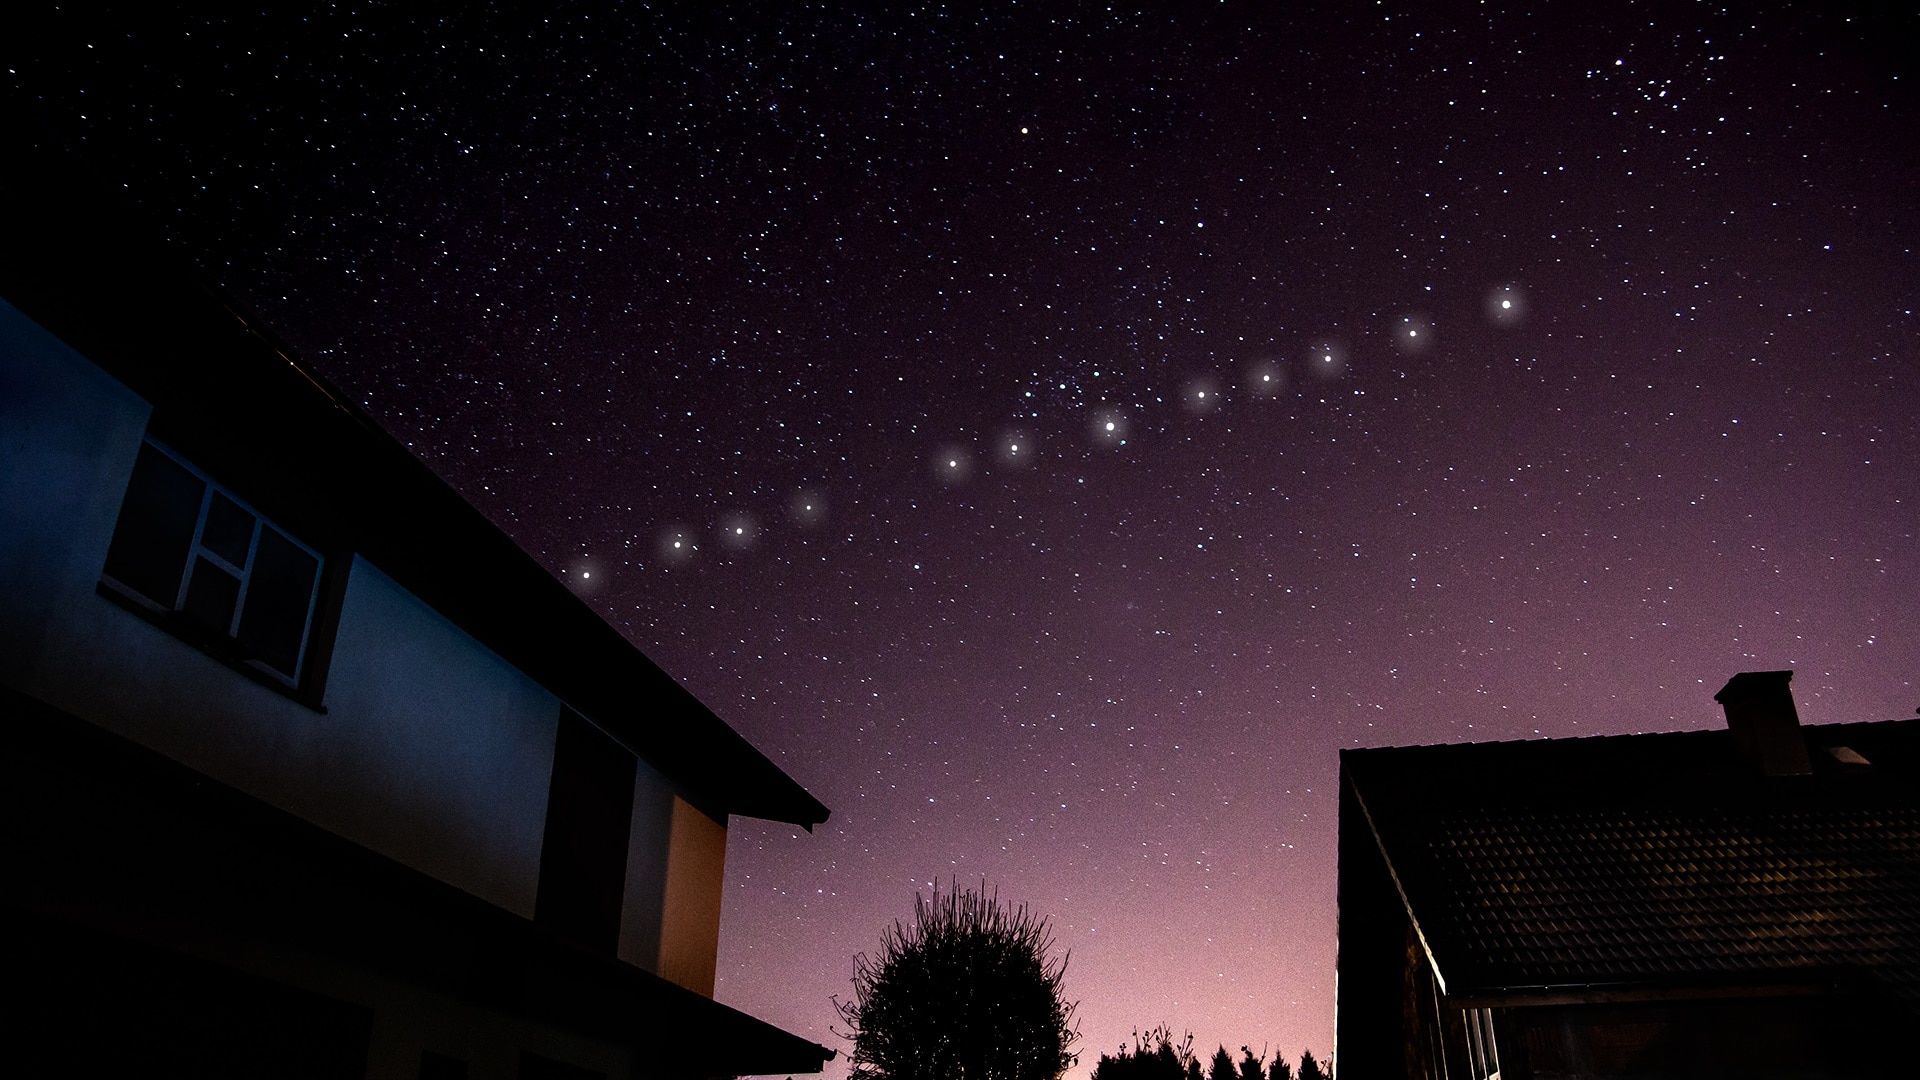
x=1399, y=888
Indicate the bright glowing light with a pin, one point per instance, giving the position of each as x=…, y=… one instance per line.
x=676, y=545
x=1506, y=305
x=807, y=508
x=1414, y=334
x=953, y=464
x=738, y=530
x=1202, y=395
x=1263, y=378
x=1015, y=448
x=1328, y=360
x=584, y=576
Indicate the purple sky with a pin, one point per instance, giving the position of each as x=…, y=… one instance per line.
x=627, y=279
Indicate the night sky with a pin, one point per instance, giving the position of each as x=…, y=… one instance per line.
x=1051, y=432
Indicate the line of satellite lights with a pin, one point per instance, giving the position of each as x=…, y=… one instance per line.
x=738, y=531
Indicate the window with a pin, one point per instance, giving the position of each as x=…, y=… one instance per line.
x=191, y=553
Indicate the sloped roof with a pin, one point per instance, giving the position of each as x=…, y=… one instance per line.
x=241, y=402
x=1642, y=860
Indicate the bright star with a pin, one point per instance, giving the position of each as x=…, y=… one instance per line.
x=676, y=545
x=1506, y=305
x=1265, y=378
x=738, y=530
x=1329, y=359
x=1417, y=331
x=807, y=509
x=1202, y=395
x=1015, y=449
x=954, y=464
x=580, y=576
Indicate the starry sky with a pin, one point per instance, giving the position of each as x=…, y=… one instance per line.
x=1053, y=431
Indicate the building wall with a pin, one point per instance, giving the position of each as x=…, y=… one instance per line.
x=690, y=908
x=428, y=748
x=68, y=434
x=648, y=841
x=431, y=749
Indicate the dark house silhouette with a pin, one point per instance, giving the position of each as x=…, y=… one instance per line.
x=1730, y=903
x=305, y=768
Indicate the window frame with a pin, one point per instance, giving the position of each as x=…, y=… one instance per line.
x=312, y=653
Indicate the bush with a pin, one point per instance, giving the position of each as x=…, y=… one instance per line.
x=1154, y=1056
x=968, y=992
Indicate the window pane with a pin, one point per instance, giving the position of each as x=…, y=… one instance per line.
x=150, y=542
x=211, y=595
x=279, y=597
x=229, y=531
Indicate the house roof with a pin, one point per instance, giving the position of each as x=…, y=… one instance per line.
x=1648, y=860
x=228, y=393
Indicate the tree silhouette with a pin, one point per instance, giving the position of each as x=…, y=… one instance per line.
x=1222, y=1067
x=1155, y=1056
x=968, y=992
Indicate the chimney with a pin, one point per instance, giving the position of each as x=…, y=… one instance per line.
x=1765, y=726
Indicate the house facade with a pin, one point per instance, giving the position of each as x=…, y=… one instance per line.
x=307, y=769
x=1742, y=902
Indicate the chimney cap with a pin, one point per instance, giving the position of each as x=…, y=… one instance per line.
x=1764, y=723
x=1751, y=684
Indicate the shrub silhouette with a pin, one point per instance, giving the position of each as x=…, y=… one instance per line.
x=1154, y=1056
x=969, y=991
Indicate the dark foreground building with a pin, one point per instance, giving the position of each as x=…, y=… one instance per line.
x=1733, y=903
x=305, y=768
